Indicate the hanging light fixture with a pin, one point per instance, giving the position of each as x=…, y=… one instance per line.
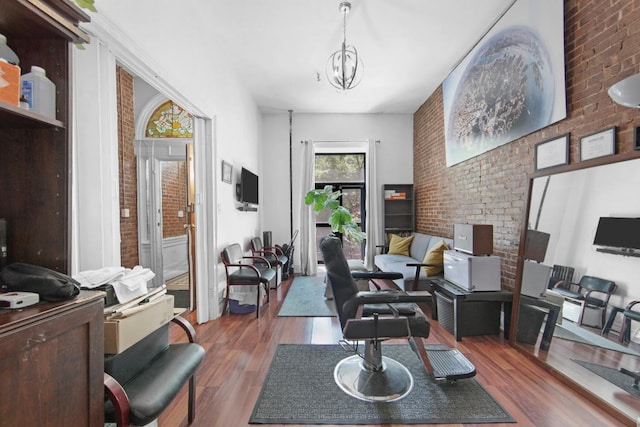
x=345, y=68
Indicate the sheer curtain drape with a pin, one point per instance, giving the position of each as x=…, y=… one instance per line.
x=373, y=208
x=308, y=255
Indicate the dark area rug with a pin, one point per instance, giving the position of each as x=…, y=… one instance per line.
x=612, y=375
x=299, y=389
x=305, y=298
x=572, y=332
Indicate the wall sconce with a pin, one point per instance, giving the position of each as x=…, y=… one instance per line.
x=627, y=92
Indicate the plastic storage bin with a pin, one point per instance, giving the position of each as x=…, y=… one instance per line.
x=236, y=308
x=7, y=53
x=39, y=91
x=476, y=317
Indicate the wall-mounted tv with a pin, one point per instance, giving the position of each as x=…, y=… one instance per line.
x=615, y=232
x=248, y=187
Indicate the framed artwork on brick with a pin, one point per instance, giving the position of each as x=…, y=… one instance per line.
x=598, y=144
x=636, y=138
x=551, y=153
x=511, y=83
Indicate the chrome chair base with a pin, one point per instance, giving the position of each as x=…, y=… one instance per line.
x=391, y=382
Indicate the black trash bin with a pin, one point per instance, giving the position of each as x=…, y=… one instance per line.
x=529, y=323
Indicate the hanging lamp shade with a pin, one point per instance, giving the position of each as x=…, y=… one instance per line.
x=627, y=92
x=344, y=67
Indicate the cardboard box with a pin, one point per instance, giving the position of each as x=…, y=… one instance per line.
x=122, y=332
x=9, y=83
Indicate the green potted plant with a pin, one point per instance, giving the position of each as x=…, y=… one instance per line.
x=340, y=220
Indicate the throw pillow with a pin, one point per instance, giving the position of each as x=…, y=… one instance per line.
x=400, y=245
x=435, y=255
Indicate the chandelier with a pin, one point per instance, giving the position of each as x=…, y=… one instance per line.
x=345, y=68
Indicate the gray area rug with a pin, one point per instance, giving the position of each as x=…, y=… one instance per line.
x=305, y=298
x=299, y=389
x=612, y=375
x=572, y=332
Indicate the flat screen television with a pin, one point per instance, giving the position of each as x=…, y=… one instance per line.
x=248, y=187
x=615, y=232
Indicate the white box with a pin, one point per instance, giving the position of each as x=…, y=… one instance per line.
x=473, y=273
x=121, y=333
x=592, y=316
x=535, y=278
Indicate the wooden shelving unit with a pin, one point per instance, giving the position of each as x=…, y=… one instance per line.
x=35, y=150
x=399, y=209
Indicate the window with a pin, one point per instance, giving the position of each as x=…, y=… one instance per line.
x=170, y=121
x=345, y=173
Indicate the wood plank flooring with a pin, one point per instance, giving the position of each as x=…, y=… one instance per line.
x=240, y=347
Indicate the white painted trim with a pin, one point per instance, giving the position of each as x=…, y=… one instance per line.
x=136, y=62
x=95, y=180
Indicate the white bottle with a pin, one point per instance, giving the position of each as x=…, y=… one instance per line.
x=6, y=52
x=39, y=91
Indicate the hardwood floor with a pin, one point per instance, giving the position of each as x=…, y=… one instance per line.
x=240, y=347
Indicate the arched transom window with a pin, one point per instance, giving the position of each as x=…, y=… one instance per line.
x=169, y=120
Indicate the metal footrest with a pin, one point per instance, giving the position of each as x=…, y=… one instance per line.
x=449, y=364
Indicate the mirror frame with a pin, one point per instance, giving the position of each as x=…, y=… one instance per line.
x=518, y=280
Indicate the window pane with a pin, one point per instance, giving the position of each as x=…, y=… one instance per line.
x=351, y=200
x=339, y=168
x=320, y=233
x=352, y=250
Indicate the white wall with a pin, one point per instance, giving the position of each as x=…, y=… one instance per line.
x=395, y=157
x=207, y=87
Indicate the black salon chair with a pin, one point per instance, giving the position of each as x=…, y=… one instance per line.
x=376, y=316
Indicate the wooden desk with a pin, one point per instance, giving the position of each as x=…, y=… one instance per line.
x=459, y=297
x=52, y=363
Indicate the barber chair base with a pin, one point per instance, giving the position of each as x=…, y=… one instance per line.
x=392, y=382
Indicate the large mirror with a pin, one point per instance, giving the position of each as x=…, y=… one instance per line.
x=557, y=252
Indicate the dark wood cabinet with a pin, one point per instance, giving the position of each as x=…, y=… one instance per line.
x=35, y=150
x=52, y=363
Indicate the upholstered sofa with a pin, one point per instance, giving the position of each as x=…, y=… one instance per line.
x=408, y=264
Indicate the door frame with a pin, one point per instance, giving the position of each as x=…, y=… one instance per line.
x=126, y=52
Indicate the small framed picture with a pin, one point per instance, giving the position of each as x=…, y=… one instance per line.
x=227, y=169
x=598, y=144
x=551, y=153
x=636, y=138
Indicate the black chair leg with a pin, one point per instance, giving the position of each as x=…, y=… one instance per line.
x=192, y=399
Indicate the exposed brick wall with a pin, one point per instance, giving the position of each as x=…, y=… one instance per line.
x=601, y=48
x=174, y=198
x=127, y=170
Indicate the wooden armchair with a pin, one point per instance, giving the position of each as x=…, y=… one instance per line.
x=590, y=293
x=144, y=379
x=628, y=315
x=243, y=270
x=273, y=254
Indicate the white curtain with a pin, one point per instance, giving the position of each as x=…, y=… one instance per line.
x=373, y=207
x=308, y=255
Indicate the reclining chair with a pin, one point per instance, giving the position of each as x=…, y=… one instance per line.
x=376, y=316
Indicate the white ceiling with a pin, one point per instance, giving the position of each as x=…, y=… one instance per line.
x=279, y=47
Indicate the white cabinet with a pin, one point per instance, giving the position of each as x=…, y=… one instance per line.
x=472, y=273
